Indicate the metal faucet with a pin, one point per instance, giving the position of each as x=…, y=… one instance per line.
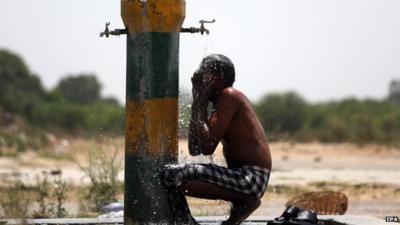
x=200, y=30
x=107, y=32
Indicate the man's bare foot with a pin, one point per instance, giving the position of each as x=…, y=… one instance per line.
x=240, y=212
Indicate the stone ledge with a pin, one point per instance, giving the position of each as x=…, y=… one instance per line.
x=204, y=220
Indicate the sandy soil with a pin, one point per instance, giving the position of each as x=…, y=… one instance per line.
x=367, y=174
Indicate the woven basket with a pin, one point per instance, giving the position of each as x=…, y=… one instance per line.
x=323, y=203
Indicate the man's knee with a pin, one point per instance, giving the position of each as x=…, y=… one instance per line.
x=166, y=175
x=172, y=175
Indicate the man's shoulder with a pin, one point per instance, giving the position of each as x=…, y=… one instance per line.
x=233, y=94
x=232, y=97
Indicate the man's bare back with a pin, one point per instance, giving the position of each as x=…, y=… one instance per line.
x=234, y=123
x=244, y=140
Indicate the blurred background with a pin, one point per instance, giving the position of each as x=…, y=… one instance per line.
x=323, y=77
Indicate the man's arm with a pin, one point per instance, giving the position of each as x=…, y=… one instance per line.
x=199, y=93
x=209, y=132
x=198, y=106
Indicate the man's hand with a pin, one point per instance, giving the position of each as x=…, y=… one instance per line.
x=201, y=91
x=197, y=79
x=197, y=83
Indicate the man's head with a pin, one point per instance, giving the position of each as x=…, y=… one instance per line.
x=220, y=68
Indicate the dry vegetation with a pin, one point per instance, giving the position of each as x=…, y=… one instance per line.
x=367, y=174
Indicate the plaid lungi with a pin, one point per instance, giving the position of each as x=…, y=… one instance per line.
x=251, y=180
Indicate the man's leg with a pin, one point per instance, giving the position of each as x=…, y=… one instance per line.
x=176, y=198
x=240, y=212
x=180, y=208
x=243, y=204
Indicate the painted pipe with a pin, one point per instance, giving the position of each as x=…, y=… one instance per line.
x=152, y=82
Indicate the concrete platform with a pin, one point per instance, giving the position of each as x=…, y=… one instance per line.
x=206, y=220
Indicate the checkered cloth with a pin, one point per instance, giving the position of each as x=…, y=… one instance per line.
x=251, y=180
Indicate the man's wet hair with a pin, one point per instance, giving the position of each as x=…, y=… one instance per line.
x=221, y=65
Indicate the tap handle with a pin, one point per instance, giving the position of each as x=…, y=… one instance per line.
x=207, y=21
x=202, y=28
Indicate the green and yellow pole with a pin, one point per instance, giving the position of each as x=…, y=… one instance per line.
x=152, y=82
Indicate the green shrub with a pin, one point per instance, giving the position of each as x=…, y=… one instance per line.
x=51, y=195
x=102, y=170
x=16, y=202
x=287, y=116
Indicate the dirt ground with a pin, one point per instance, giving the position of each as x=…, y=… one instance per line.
x=369, y=175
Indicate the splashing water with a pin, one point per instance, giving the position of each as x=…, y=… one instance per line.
x=185, y=104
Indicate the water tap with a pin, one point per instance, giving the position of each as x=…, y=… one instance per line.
x=200, y=30
x=107, y=32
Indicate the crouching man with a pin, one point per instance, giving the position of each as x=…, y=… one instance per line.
x=234, y=123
